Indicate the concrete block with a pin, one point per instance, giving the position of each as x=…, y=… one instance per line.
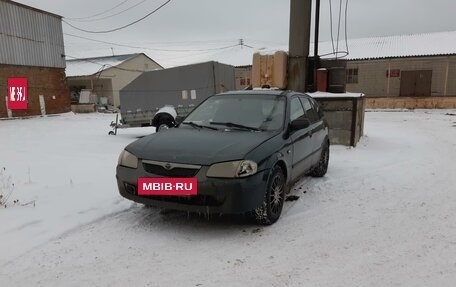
x=339, y=120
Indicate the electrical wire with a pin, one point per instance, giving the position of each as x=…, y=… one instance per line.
x=167, y=43
x=186, y=43
x=174, y=59
x=335, y=47
x=100, y=13
x=336, y=54
x=267, y=42
x=338, y=27
x=331, y=25
x=154, y=49
x=112, y=15
x=102, y=65
x=346, y=37
x=119, y=28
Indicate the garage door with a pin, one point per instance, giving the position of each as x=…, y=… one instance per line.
x=416, y=83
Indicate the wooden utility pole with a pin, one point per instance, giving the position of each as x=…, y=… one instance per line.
x=300, y=19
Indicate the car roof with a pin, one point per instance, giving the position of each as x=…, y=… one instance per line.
x=271, y=92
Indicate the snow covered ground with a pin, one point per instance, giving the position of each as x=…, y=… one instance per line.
x=385, y=214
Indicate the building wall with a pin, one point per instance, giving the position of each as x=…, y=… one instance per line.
x=129, y=70
x=102, y=87
x=31, y=46
x=433, y=102
x=243, y=77
x=30, y=37
x=49, y=82
x=373, y=80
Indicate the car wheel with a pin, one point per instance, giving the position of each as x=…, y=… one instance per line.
x=271, y=208
x=322, y=167
x=162, y=127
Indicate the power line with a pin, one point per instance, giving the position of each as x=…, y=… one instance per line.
x=346, y=37
x=335, y=47
x=331, y=25
x=267, y=42
x=338, y=26
x=113, y=15
x=100, y=13
x=170, y=43
x=154, y=49
x=103, y=65
x=119, y=28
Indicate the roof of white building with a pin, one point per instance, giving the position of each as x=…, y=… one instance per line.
x=416, y=45
x=92, y=66
x=399, y=46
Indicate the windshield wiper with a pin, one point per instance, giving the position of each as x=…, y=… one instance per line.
x=233, y=125
x=199, y=126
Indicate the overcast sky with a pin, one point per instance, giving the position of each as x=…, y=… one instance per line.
x=188, y=31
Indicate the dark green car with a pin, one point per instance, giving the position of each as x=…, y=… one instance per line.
x=237, y=152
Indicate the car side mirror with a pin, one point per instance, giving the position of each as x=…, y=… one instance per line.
x=179, y=120
x=299, y=124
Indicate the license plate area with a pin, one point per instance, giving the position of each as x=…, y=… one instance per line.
x=167, y=186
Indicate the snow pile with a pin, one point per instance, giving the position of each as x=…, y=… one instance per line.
x=65, y=166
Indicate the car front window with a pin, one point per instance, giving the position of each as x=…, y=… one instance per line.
x=259, y=112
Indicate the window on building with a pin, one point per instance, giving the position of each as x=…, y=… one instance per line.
x=352, y=76
x=184, y=95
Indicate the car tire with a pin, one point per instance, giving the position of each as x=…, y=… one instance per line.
x=270, y=209
x=162, y=127
x=322, y=167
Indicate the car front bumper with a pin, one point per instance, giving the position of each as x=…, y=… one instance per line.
x=215, y=195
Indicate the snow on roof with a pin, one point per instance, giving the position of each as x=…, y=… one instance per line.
x=416, y=45
x=91, y=66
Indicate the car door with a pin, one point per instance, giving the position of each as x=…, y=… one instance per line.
x=302, y=144
x=317, y=126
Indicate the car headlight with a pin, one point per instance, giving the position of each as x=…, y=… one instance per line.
x=128, y=160
x=233, y=169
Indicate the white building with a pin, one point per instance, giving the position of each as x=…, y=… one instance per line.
x=106, y=76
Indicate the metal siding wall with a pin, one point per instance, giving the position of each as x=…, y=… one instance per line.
x=30, y=38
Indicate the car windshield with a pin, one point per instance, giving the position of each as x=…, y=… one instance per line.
x=244, y=112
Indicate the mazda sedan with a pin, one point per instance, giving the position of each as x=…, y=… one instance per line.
x=237, y=152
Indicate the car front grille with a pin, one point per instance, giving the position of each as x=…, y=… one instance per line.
x=199, y=200
x=170, y=169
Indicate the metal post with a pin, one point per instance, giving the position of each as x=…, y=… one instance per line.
x=300, y=19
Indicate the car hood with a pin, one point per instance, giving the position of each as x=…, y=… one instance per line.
x=197, y=146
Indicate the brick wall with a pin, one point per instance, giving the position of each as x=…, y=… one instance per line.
x=411, y=103
x=49, y=82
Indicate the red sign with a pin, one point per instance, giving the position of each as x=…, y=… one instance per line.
x=394, y=73
x=167, y=186
x=17, y=94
